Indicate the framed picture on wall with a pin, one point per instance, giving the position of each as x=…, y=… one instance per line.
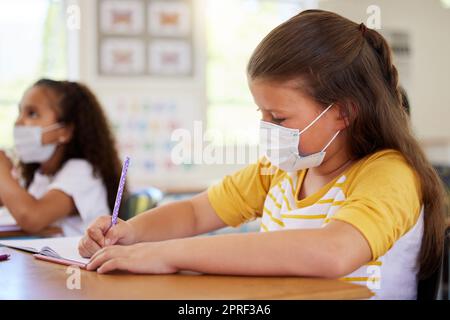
x=168, y=18
x=122, y=17
x=122, y=56
x=169, y=57
x=145, y=38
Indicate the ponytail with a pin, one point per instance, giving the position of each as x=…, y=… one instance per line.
x=385, y=60
x=433, y=194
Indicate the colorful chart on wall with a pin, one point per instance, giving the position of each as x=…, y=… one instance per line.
x=144, y=125
x=145, y=38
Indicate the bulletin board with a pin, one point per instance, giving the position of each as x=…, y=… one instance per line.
x=145, y=38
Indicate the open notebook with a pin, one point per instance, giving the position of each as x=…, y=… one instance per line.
x=59, y=250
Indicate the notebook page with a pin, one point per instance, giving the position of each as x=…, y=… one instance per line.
x=65, y=247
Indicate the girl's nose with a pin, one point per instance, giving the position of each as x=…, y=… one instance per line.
x=19, y=121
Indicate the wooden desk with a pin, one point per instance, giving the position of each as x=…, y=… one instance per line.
x=23, y=277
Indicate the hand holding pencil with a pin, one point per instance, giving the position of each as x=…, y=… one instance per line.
x=108, y=230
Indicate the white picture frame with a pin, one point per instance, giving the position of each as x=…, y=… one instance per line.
x=120, y=56
x=169, y=19
x=122, y=17
x=170, y=57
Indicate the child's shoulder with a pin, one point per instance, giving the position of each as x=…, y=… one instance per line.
x=383, y=159
x=385, y=155
x=386, y=163
x=77, y=167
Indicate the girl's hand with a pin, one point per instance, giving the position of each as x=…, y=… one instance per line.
x=99, y=235
x=150, y=257
x=6, y=164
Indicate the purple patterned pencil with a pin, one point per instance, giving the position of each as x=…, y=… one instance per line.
x=120, y=191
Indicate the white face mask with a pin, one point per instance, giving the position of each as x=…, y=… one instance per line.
x=281, y=146
x=28, y=143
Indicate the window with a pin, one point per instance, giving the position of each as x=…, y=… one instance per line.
x=234, y=29
x=32, y=39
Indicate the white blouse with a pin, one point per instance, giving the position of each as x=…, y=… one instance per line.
x=77, y=180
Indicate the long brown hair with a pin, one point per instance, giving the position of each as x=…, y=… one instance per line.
x=92, y=138
x=337, y=60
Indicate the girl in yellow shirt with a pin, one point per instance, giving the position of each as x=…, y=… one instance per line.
x=345, y=190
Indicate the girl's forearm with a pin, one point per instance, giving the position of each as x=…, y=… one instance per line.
x=170, y=221
x=32, y=214
x=280, y=253
x=16, y=199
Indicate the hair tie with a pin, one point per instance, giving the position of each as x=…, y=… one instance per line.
x=362, y=28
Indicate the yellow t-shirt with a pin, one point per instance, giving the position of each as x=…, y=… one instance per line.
x=379, y=195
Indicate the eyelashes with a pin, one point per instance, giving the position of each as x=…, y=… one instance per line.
x=276, y=120
x=279, y=120
x=31, y=114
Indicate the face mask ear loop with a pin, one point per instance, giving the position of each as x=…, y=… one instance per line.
x=316, y=119
x=332, y=139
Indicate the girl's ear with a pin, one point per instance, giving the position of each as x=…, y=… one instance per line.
x=345, y=113
x=66, y=134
